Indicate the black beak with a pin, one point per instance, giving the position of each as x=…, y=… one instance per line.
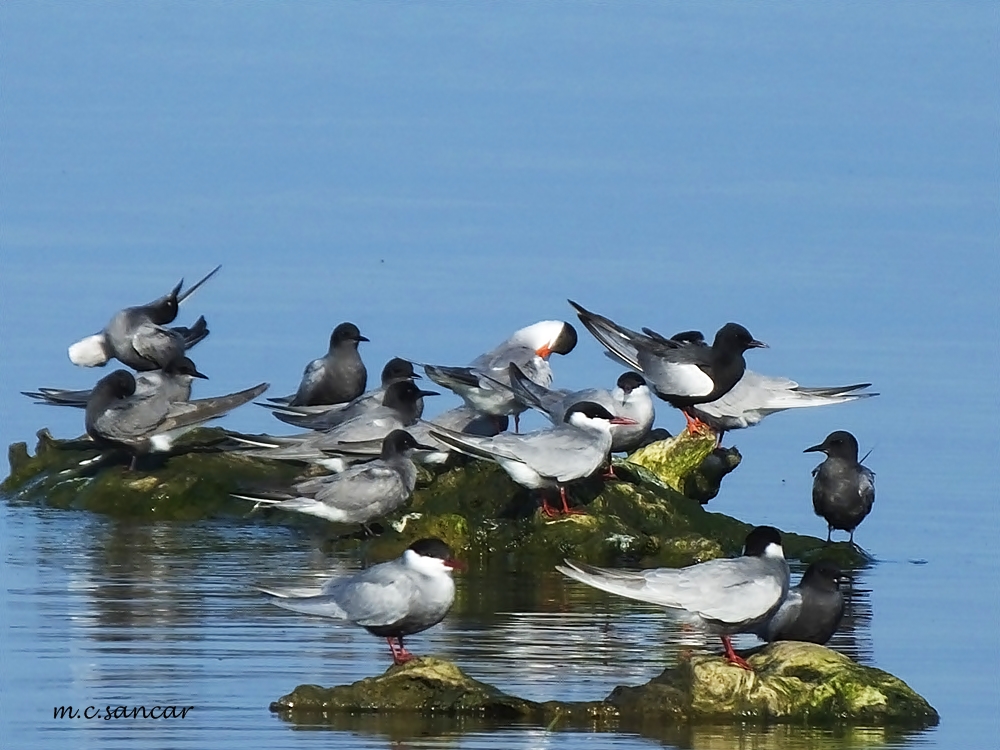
x=428, y=393
x=197, y=374
x=755, y=344
x=363, y=338
x=814, y=449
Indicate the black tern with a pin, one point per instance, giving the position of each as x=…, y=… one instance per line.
x=811, y=611
x=460, y=419
x=843, y=490
x=680, y=372
x=390, y=600
x=398, y=412
x=571, y=450
x=116, y=417
x=137, y=337
x=723, y=597
x=335, y=378
x=485, y=384
x=756, y=396
x=629, y=398
x=324, y=417
x=174, y=383
x=358, y=495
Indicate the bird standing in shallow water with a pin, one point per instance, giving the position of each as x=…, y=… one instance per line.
x=390, y=600
x=843, y=489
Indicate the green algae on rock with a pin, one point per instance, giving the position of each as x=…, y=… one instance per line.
x=796, y=683
x=791, y=682
x=641, y=519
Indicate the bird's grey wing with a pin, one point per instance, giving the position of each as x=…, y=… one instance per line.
x=722, y=590
x=866, y=486
x=322, y=605
x=185, y=413
x=59, y=397
x=377, y=596
x=563, y=452
x=362, y=486
x=786, y=614
x=618, y=340
x=744, y=588
x=133, y=418
x=374, y=425
x=157, y=345
x=312, y=378
x=453, y=378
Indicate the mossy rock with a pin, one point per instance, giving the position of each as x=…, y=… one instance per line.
x=641, y=518
x=792, y=683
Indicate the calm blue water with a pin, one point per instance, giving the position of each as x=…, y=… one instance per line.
x=442, y=175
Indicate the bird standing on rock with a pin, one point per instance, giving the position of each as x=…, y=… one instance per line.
x=335, y=378
x=117, y=417
x=720, y=596
x=358, y=495
x=571, y=450
x=843, y=489
x=812, y=610
x=683, y=373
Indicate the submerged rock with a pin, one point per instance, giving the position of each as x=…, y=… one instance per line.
x=794, y=683
x=642, y=518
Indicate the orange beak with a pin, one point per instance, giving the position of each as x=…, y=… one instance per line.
x=543, y=351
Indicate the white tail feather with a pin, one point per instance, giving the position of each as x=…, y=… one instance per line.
x=89, y=352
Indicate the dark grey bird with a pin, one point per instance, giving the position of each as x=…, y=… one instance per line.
x=359, y=494
x=757, y=396
x=327, y=416
x=629, y=398
x=398, y=412
x=724, y=597
x=335, y=378
x=174, y=383
x=117, y=417
x=811, y=611
x=485, y=386
x=843, y=489
x=390, y=600
x=460, y=419
x=571, y=450
x=138, y=336
x=680, y=373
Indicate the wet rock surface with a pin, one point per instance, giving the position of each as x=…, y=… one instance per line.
x=792, y=683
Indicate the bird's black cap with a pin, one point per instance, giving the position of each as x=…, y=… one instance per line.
x=758, y=539
x=840, y=444
x=398, y=368
x=566, y=340
x=629, y=381
x=823, y=575
x=588, y=409
x=404, y=393
x=346, y=332
x=734, y=336
x=400, y=441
